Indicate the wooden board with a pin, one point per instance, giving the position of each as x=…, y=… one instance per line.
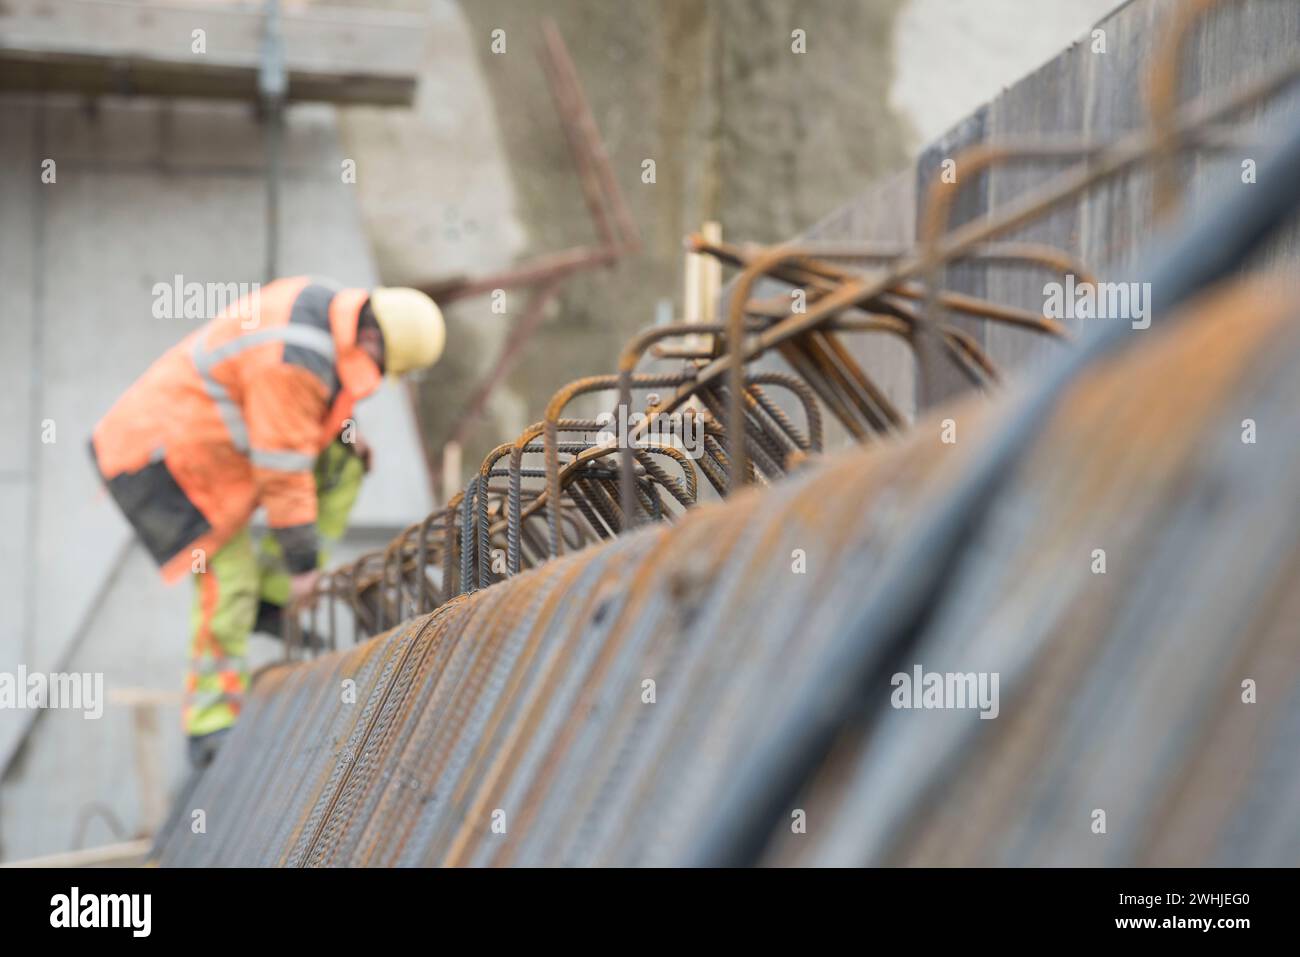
x=148, y=48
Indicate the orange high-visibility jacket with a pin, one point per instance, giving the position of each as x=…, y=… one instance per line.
x=233, y=417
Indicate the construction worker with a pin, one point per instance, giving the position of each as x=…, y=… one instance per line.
x=255, y=409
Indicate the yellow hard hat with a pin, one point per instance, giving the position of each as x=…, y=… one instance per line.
x=413, y=328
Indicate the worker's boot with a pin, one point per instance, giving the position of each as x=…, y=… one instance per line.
x=270, y=621
x=203, y=748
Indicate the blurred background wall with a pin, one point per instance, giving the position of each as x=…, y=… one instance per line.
x=742, y=131
x=472, y=177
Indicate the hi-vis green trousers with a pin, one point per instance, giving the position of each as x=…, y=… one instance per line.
x=237, y=578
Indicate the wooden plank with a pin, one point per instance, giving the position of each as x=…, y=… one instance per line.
x=124, y=854
x=149, y=48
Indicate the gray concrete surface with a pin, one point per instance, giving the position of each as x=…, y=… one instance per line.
x=951, y=56
x=741, y=129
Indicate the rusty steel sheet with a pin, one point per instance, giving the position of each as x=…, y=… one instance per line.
x=516, y=725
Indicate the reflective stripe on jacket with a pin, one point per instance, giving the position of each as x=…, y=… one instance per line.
x=233, y=417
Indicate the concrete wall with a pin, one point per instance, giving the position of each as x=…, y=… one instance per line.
x=437, y=199
x=950, y=56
